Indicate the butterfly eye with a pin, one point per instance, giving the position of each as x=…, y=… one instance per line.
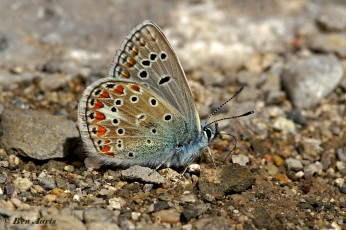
x=208, y=133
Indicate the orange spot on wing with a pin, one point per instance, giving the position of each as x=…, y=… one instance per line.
x=107, y=141
x=135, y=88
x=104, y=94
x=105, y=148
x=101, y=130
x=98, y=105
x=99, y=117
x=134, y=52
x=130, y=62
x=119, y=90
x=110, y=154
x=142, y=42
x=126, y=74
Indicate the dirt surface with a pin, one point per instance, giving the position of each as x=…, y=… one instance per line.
x=287, y=170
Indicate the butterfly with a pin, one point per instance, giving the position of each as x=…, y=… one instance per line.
x=143, y=113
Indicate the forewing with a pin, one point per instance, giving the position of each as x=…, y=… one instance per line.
x=146, y=57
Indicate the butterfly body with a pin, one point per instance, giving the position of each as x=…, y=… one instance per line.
x=143, y=113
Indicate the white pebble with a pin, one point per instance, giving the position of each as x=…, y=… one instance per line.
x=194, y=168
x=299, y=174
x=135, y=215
x=340, y=182
x=240, y=159
x=76, y=198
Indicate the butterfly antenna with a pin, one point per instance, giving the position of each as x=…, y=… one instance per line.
x=235, y=145
x=227, y=118
x=234, y=95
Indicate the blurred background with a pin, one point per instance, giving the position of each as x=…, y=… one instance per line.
x=290, y=55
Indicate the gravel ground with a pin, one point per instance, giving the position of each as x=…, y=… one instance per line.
x=287, y=171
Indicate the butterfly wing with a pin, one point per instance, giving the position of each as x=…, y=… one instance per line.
x=146, y=57
x=125, y=123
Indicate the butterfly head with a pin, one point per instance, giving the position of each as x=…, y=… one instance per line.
x=209, y=132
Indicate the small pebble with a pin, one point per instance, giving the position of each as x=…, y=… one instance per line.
x=283, y=124
x=69, y=168
x=299, y=174
x=240, y=159
x=49, y=198
x=282, y=178
x=313, y=168
x=339, y=182
x=13, y=160
x=22, y=184
x=272, y=169
x=148, y=187
x=195, y=168
x=170, y=216
x=278, y=161
x=293, y=164
x=4, y=164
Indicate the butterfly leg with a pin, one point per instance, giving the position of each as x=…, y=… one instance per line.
x=211, y=156
x=164, y=162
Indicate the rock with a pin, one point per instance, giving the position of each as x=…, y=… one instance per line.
x=4, y=164
x=47, y=182
x=262, y=219
x=313, y=168
x=329, y=43
x=272, y=169
x=116, y=202
x=283, y=124
x=37, y=134
x=293, y=164
x=343, y=189
x=8, y=79
x=333, y=18
x=148, y=187
x=161, y=205
x=170, y=216
x=281, y=177
x=3, y=177
x=9, y=189
x=212, y=223
x=309, y=80
x=278, y=161
x=192, y=211
x=49, y=198
x=144, y=174
x=98, y=225
x=100, y=215
x=297, y=117
x=240, y=159
x=341, y=154
x=23, y=184
x=54, y=81
x=275, y=97
x=194, y=168
x=225, y=179
x=63, y=221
